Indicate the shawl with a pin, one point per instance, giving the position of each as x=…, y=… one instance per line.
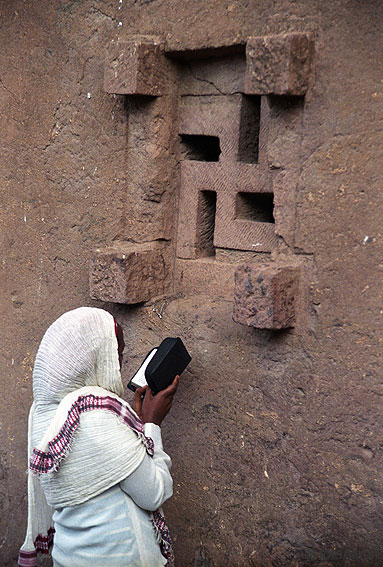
x=77, y=371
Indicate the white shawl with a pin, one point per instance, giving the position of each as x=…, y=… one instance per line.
x=76, y=371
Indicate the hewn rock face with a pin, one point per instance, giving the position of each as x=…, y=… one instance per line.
x=275, y=437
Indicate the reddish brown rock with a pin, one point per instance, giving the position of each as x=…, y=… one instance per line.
x=204, y=276
x=218, y=116
x=226, y=198
x=278, y=64
x=240, y=217
x=265, y=297
x=135, y=67
x=128, y=273
x=276, y=440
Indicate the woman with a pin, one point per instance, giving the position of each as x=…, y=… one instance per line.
x=97, y=471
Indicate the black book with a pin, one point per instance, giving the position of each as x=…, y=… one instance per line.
x=161, y=366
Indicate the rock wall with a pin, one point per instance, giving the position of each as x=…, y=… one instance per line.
x=275, y=435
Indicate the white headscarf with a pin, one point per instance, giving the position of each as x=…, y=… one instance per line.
x=77, y=369
x=79, y=349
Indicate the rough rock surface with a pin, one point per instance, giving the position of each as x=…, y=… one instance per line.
x=279, y=64
x=265, y=298
x=276, y=438
x=134, y=68
x=128, y=273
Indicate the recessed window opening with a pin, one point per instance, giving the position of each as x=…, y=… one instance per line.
x=256, y=207
x=200, y=148
x=249, y=129
x=207, y=204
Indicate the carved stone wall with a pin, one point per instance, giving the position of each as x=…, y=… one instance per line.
x=275, y=435
x=235, y=190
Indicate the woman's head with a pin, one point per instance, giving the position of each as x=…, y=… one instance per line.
x=79, y=349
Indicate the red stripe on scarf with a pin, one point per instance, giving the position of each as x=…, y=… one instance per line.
x=42, y=545
x=42, y=462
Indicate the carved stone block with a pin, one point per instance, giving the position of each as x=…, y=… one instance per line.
x=265, y=297
x=234, y=226
x=135, y=67
x=278, y=64
x=226, y=198
x=126, y=273
x=213, y=116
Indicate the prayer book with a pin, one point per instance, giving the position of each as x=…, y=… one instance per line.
x=161, y=366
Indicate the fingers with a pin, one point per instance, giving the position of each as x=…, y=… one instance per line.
x=148, y=397
x=171, y=390
x=156, y=407
x=138, y=395
x=137, y=400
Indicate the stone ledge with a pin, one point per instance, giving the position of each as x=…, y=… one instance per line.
x=265, y=297
x=135, y=67
x=129, y=273
x=278, y=64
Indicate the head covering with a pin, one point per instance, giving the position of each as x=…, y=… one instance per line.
x=77, y=371
x=79, y=349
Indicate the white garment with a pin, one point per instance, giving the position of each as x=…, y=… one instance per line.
x=115, y=528
x=85, y=438
x=101, y=438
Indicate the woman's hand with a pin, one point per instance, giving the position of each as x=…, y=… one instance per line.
x=155, y=408
x=138, y=399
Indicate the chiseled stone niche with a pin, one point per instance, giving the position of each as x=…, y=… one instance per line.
x=234, y=116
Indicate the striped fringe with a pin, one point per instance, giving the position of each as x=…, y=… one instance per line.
x=27, y=559
x=43, y=462
x=42, y=543
x=163, y=537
